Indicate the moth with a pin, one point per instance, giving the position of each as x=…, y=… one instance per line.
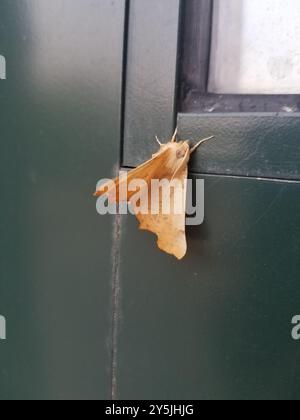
x=170, y=163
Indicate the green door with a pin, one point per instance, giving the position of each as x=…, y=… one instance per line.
x=92, y=309
x=218, y=324
x=60, y=129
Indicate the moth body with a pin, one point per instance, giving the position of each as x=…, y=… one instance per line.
x=169, y=164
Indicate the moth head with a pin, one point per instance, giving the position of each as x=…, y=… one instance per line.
x=180, y=151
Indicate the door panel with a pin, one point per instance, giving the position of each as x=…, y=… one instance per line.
x=60, y=133
x=216, y=325
x=150, y=76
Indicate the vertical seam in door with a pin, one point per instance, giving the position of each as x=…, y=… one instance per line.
x=116, y=301
x=118, y=220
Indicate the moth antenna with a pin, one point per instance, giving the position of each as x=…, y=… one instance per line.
x=193, y=149
x=174, y=136
x=158, y=141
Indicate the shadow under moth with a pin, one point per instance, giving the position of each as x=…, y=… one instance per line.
x=159, y=210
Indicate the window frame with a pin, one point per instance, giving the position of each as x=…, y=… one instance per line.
x=254, y=137
x=195, y=46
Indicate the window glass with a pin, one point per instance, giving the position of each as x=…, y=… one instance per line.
x=255, y=47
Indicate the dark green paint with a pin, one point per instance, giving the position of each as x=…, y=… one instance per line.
x=218, y=324
x=60, y=133
x=256, y=145
x=151, y=76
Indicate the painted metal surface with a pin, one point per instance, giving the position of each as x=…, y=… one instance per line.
x=218, y=324
x=151, y=75
x=60, y=133
x=255, y=145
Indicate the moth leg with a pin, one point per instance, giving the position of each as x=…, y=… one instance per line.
x=174, y=136
x=193, y=149
x=158, y=141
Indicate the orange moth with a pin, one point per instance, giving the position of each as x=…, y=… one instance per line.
x=170, y=164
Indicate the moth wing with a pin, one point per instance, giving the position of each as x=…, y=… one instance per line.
x=147, y=171
x=169, y=228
